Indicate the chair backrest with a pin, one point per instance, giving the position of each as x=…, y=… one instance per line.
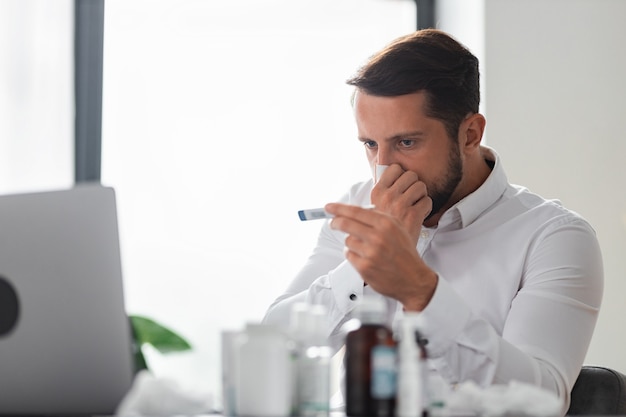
x=598, y=391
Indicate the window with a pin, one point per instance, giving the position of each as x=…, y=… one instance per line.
x=36, y=104
x=220, y=121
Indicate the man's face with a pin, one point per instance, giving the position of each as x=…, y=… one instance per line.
x=395, y=130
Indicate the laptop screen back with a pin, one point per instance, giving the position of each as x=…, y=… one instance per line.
x=65, y=344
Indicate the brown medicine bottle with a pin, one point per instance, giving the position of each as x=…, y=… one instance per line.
x=370, y=363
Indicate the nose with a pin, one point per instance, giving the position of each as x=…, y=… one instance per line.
x=384, y=156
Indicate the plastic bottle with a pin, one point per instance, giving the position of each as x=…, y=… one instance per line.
x=370, y=362
x=435, y=390
x=411, y=398
x=230, y=340
x=264, y=373
x=298, y=325
x=313, y=363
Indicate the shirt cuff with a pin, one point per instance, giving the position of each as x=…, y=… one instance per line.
x=347, y=286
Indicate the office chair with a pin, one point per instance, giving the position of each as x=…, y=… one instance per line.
x=598, y=391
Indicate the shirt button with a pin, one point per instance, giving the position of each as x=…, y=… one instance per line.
x=424, y=234
x=353, y=297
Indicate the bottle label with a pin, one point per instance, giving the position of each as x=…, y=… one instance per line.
x=383, y=385
x=313, y=387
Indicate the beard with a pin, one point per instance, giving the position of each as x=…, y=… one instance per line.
x=441, y=191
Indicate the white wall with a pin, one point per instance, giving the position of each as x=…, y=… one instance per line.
x=554, y=89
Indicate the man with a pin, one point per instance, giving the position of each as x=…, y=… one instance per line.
x=509, y=284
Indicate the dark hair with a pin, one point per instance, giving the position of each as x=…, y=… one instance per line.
x=427, y=60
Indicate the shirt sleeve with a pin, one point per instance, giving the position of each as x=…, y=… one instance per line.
x=326, y=278
x=549, y=325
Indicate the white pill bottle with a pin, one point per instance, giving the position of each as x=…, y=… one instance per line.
x=264, y=375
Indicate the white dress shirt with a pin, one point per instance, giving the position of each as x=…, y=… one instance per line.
x=519, y=290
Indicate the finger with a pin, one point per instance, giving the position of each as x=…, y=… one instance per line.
x=414, y=194
x=404, y=182
x=351, y=226
x=361, y=214
x=360, y=263
x=386, y=194
x=419, y=205
x=356, y=246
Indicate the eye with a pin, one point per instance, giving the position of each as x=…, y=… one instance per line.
x=370, y=144
x=407, y=143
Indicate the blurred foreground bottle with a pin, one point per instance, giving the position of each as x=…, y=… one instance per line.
x=313, y=358
x=370, y=362
x=412, y=396
x=264, y=372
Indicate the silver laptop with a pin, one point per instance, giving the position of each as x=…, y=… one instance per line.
x=65, y=341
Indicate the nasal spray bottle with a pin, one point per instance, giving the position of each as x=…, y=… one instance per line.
x=411, y=398
x=370, y=363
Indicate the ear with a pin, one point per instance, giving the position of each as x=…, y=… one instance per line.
x=472, y=129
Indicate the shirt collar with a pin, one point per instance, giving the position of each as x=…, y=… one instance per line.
x=474, y=204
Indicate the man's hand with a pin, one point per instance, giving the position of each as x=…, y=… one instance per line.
x=403, y=196
x=382, y=250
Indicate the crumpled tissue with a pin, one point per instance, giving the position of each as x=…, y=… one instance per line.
x=516, y=398
x=159, y=397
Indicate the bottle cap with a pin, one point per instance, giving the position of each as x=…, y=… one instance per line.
x=412, y=318
x=407, y=335
x=262, y=328
x=318, y=324
x=371, y=310
x=299, y=320
x=309, y=323
x=318, y=319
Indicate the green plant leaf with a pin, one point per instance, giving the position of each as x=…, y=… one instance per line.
x=140, y=360
x=147, y=331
